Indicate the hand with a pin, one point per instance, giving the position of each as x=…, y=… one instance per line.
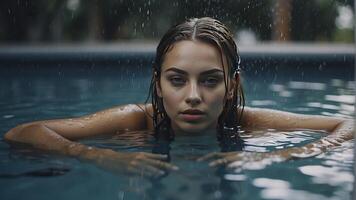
x=232, y=159
x=256, y=160
x=139, y=163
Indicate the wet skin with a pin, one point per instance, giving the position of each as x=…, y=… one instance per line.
x=192, y=85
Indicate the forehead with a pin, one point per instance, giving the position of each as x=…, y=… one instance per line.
x=193, y=56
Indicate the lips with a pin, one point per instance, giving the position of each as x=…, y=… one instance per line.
x=192, y=115
x=193, y=112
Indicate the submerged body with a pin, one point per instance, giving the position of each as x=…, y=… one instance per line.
x=197, y=90
x=60, y=136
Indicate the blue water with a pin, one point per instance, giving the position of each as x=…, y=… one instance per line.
x=29, y=93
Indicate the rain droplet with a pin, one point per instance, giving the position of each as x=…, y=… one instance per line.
x=8, y=116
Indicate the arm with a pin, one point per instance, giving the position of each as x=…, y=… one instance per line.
x=58, y=136
x=339, y=130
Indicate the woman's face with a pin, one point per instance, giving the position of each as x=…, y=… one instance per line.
x=192, y=86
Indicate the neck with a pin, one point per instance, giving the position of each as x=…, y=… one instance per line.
x=179, y=132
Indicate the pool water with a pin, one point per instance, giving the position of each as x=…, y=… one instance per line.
x=31, y=93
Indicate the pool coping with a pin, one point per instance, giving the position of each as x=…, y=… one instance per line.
x=143, y=52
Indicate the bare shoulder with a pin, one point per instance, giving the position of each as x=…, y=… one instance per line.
x=138, y=113
x=128, y=108
x=148, y=111
x=146, y=108
x=262, y=117
x=250, y=115
x=251, y=112
x=275, y=119
x=130, y=116
x=109, y=121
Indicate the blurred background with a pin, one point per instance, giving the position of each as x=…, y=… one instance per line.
x=102, y=21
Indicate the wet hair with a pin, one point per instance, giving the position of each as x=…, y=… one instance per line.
x=213, y=32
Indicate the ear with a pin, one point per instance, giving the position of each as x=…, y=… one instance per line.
x=233, y=84
x=158, y=88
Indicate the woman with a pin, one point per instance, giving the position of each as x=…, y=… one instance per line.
x=195, y=89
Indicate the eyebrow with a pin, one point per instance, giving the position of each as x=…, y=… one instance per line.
x=211, y=71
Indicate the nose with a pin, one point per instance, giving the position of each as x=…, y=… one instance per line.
x=194, y=97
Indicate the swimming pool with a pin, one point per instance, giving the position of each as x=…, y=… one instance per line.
x=32, y=91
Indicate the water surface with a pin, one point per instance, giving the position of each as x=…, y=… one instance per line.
x=29, y=94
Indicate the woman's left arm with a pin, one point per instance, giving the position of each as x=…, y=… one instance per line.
x=338, y=129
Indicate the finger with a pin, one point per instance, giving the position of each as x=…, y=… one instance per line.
x=235, y=165
x=208, y=156
x=146, y=171
x=218, y=162
x=161, y=165
x=156, y=156
x=224, y=161
x=153, y=171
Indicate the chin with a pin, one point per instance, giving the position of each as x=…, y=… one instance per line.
x=193, y=128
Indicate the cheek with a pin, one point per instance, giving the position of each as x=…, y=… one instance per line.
x=171, y=99
x=215, y=100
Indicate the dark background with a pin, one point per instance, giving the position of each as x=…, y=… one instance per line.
x=58, y=21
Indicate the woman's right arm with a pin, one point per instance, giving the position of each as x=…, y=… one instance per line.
x=59, y=136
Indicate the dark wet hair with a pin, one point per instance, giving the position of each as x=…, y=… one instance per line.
x=213, y=32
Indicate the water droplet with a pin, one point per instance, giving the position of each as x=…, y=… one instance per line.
x=8, y=116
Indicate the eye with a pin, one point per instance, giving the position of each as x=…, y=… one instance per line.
x=210, y=81
x=177, y=80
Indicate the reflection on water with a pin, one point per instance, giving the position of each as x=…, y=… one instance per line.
x=335, y=98
x=332, y=169
x=348, y=99
x=271, y=140
x=323, y=175
x=335, y=167
x=306, y=85
x=305, y=178
x=279, y=189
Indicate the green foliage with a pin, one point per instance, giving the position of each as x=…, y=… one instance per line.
x=343, y=36
x=313, y=20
